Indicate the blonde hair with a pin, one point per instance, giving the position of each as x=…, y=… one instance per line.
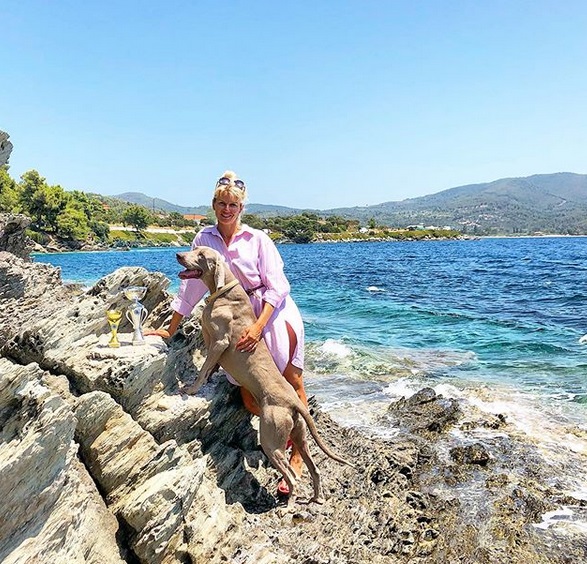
x=230, y=189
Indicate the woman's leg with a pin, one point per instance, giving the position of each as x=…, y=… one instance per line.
x=250, y=402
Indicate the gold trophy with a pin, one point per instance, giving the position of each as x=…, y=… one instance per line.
x=113, y=316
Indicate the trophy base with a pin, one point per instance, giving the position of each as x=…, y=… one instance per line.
x=114, y=345
x=138, y=339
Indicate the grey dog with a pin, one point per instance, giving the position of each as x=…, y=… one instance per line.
x=227, y=314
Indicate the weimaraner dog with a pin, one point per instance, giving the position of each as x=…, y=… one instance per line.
x=227, y=314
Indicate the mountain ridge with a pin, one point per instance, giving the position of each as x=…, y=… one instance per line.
x=549, y=203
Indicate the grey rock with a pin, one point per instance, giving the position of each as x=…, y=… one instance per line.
x=425, y=412
x=51, y=510
x=5, y=148
x=12, y=235
x=471, y=454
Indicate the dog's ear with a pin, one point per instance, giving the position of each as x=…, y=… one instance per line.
x=218, y=272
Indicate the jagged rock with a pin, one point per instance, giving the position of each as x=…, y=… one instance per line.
x=103, y=460
x=51, y=510
x=12, y=235
x=425, y=412
x=471, y=454
x=150, y=487
x=5, y=148
x=27, y=291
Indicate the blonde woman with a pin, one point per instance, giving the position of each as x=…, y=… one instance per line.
x=255, y=261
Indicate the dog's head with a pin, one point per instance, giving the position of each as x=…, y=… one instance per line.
x=203, y=263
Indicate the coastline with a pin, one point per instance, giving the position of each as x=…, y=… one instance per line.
x=183, y=238
x=55, y=247
x=39, y=250
x=548, y=236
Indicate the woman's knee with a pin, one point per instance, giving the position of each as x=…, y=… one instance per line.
x=294, y=376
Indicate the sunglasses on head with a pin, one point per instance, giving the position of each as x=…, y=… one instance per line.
x=227, y=182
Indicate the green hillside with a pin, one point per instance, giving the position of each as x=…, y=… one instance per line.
x=546, y=203
x=159, y=204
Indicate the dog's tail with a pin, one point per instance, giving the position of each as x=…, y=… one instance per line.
x=319, y=441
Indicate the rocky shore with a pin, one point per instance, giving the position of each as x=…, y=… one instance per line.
x=103, y=460
x=184, y=238
x=54, y=244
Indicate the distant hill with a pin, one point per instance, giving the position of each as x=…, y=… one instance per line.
x=159, y=204
x=547, y=203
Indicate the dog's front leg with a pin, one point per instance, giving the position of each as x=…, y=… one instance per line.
x=215, y=351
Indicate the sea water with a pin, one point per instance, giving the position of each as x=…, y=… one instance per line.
x=387, y=315
x=495, y=323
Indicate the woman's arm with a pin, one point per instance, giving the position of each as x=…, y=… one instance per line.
x=169, y=332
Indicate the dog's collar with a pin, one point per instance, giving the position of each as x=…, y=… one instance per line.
x=222, y=290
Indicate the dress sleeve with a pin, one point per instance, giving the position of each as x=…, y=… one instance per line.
x=190, y=291
x=271, y=271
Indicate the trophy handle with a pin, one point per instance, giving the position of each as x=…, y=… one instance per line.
x=144, y=314
x=127, y=315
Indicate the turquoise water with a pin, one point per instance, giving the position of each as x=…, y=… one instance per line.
x=384, y=319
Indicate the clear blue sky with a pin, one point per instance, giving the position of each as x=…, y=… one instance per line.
x=315, y=104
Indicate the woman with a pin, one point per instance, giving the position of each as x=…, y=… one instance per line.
x=254, y=260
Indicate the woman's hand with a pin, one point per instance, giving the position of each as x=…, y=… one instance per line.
x=249, y=339
x=160, y=332
x=171, y=329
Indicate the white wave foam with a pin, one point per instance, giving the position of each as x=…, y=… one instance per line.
x=530, y=417
x=403, y=387
x=555, y=436
x=334, y=348
x=382, y=362
x=375, y=289
x=361, y=415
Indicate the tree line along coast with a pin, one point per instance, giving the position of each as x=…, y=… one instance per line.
x=75, y=220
